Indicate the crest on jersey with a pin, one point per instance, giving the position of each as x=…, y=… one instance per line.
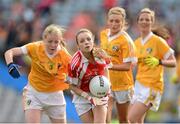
x=59, y=65
x=51, y=65
x=115, y=48
x=149, y=50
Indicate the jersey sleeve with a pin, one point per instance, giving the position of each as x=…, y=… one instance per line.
x=133, y=52
x=164, y=50
x=129, y=50
x=72, y=77
x=126, y=52
x=24, y=49
x=29, y=49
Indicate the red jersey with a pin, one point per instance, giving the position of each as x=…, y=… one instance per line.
x=81, y=71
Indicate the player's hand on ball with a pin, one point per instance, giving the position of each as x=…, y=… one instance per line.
x=95, y=100
x=109, y=93
x=13, y=70
x=99, y=101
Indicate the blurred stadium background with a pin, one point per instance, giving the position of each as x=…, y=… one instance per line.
x=23, y=21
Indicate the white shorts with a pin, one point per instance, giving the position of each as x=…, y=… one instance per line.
x=146, y=96
x=123, y=96
x=53, y=104
x=83, y=108
x=82, y=105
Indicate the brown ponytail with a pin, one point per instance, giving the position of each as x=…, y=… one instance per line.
x=161, y=31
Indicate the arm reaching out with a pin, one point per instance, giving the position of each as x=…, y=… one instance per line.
x=12, y=67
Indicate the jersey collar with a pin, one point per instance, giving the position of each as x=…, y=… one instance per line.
x=110, y=38
x=51, y=56
x=143, y=41
x=84, y=59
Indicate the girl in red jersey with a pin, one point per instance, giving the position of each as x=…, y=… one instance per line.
x=83, y=67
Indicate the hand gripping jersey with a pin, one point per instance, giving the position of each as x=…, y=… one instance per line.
x=121, y=49
x=81, y=71
x=153, y=46
x=47, y=74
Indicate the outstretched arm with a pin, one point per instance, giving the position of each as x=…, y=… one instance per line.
x=170, y=62
x=9, y=54
x=153, y=61
x=12, y=67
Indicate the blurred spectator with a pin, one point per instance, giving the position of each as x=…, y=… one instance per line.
x=44, y=7
x=3, y=35
x=17, y=10
x=12, y=32
x=107, y=4
x=81, y=20
x=24, y=31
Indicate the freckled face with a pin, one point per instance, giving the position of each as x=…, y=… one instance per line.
x=85, y=42
x=115, y=23
x=52, y=42
x=145, y=22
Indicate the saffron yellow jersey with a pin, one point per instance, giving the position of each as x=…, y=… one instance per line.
x=47, y=73
x=152, y=45
x=121, y=49
x=178, y=67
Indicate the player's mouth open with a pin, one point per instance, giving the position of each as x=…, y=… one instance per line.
x=87, y=47
x=52, y=49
